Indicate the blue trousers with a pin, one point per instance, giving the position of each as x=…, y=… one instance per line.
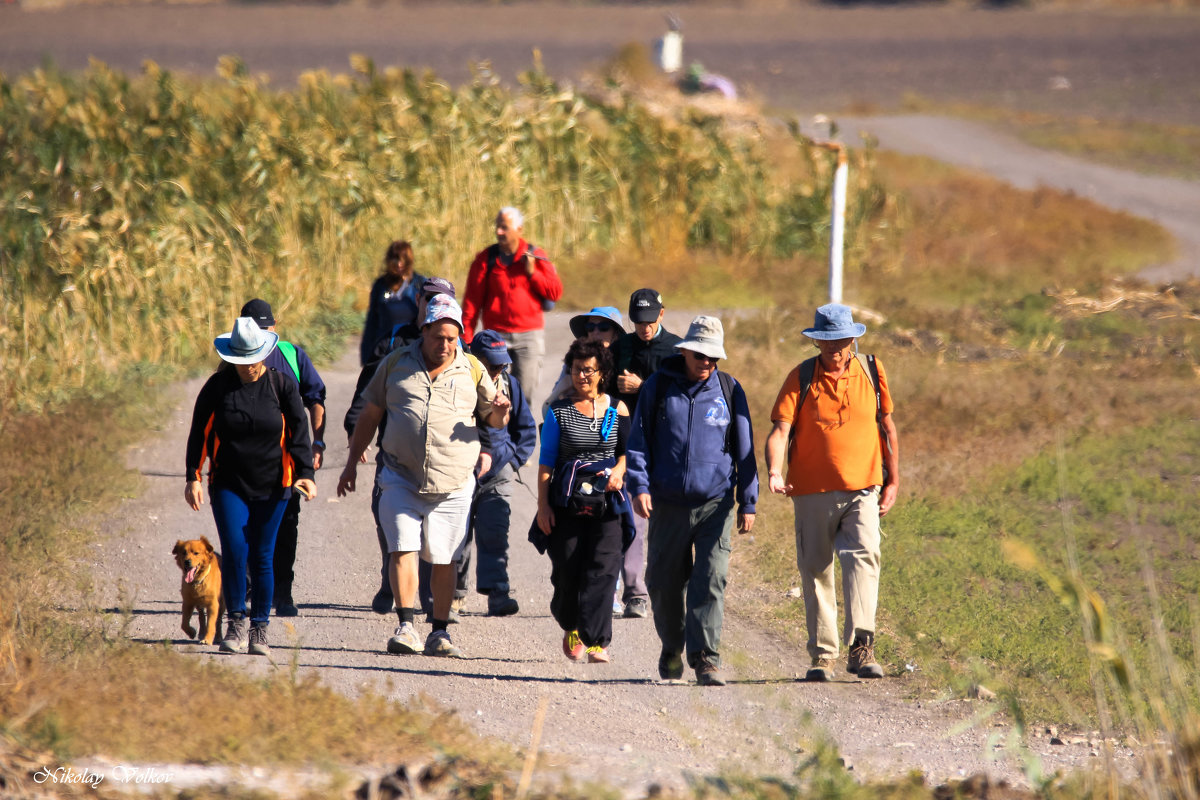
x=247, y=530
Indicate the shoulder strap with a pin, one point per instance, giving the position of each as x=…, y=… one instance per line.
x=869, y=366
x=289, y=354
x=476, y=368
x=807, y=368
x=726, y=381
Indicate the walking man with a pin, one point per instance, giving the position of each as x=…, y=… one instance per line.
x=510, y=447
x=691, y=472
x=290, y=360
x=637, y=356
x=843, y=472
x=509, y=285
x=430, y=393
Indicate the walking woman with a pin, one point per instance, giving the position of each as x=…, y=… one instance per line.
x=583, y=442
x=249, y=424
x=393, y=297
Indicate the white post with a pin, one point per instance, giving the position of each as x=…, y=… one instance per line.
x=837, y=228
x=671, y=52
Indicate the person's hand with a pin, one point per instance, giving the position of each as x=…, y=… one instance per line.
x=193, y=493
x=616, y=480
x=347, y=480
x=545, y=519
x=745, y=522
x=628, y=383
x=306, y=487
x=483, y=464
x=775, y=480
x=317, y=457
x=642, y=505
x=501, y=402
x=528, y=264
x=887, y=497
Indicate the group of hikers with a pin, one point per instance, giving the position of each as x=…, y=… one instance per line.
x=646, y=463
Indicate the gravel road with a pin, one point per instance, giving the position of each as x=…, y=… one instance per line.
x=613, y=723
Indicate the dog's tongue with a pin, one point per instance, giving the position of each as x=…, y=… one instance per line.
x=191, y=575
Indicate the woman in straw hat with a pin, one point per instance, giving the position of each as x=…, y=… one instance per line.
x=249, y=424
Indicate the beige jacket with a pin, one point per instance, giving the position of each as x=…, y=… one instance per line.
x=431, y=436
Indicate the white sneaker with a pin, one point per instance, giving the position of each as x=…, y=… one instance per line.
x=405, y=640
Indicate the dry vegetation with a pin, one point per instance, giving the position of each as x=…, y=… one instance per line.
x=1013, y=347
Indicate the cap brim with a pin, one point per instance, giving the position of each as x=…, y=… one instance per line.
x=642, y=317
x=225, y=351
x=703, y=348
x=853, y=332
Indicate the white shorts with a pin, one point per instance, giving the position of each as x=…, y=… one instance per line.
x=434, y=524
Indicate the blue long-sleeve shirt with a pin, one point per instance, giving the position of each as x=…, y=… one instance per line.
x=678, y=451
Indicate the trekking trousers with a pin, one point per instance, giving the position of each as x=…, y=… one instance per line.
x=845, y=523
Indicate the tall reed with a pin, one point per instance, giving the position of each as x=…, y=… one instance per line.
x=141, y=212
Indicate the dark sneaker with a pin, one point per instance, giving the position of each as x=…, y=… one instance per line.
x=438, y=644
x=382, y=602
x=405, y=640
x=637, y=608
x=708, y=674
x=284, y=607
x=821, y=670
x=235, y=635
x=670, y=666
x=258, y=641
x=501, y=604
x=861, y=661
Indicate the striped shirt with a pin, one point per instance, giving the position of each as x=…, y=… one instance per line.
x=568, y=435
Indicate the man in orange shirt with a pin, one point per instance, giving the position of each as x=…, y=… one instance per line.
x=836, y=466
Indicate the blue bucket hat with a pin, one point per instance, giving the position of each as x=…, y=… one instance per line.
x=609, y=313
x=489, y=347
x=834, y=321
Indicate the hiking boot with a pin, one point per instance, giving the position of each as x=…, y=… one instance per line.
x=438, y=644
x=573, y=646
x=258, y=641
x=405, y=640
x=708, y=674
x=382, y=602
x=284, y=607
x=597, y=654
x=501, y=604
x=861, y=661
x=821, y=670
x=235, y=635
x=670, y=666
x=637, y=608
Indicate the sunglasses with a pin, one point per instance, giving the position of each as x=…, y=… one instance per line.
x=701, y=357
x=603, y=327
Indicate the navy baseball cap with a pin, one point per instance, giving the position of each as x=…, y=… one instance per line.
x=488, y=346
x=437, y=286
x=645, y=305
x=259, y=311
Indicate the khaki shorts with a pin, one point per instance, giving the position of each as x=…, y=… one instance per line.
x=434, y=524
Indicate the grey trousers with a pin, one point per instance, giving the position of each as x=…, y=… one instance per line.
x=686, y=574
x=528, y=350
x=633, y=570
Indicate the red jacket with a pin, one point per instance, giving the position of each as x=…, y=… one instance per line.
x=508, y=299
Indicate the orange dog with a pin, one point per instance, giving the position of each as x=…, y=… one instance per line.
x=201, y=587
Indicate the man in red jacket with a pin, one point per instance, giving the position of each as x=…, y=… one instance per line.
x=509, y=285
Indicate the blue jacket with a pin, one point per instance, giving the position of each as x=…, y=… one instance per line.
x=514, y=443
x=686, y=462
x=312, y=388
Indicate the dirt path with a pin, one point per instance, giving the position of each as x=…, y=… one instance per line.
x=1172, y=203
x=610, y=723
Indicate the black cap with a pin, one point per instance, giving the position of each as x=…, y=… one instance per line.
x=645, y=305
x=259, y=311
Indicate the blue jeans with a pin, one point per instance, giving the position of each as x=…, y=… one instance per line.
x=247, y=530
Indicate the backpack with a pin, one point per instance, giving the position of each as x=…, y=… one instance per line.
x=660, y=394
x=289, y=355
x=809, y=366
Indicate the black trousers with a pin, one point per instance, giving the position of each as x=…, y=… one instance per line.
x=285, y=549
x=586, y=558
